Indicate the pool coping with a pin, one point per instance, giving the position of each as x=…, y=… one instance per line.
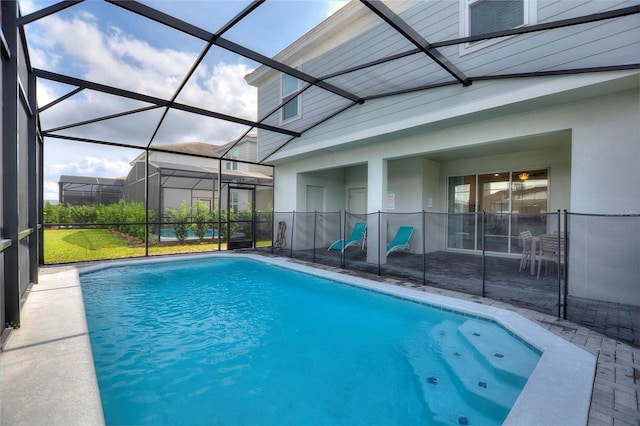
x=64, y=389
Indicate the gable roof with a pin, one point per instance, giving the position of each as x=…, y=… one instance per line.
x=199, y=148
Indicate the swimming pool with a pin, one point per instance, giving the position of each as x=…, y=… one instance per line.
x=232, y=382
x=170, y=234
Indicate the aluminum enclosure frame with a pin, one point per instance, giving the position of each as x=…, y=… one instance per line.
x=22, y=187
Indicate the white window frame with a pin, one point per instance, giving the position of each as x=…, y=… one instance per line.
x=230, y=163
x=234, y=203
x=284, y=97
x=530, y=18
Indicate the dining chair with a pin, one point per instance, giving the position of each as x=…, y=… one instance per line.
x=527, y=257
x=551, y=250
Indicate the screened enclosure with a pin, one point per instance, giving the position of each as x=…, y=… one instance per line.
x=86, y=190
x=137, y=135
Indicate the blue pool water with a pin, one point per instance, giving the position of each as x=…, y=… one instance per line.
x=234, y=341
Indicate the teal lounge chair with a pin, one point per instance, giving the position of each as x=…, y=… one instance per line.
x=401, y=240
x=357, y=235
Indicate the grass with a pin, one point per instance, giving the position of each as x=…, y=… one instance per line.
x=77, y=245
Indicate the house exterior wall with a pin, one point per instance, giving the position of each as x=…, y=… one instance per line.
x=579, y=146
x=583, y=128
x=333, y=183
x=606, y=154
x=321, y=52
x=590, y=148
x=602, y=130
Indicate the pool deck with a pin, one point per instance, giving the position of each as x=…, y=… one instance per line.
x=47, y=373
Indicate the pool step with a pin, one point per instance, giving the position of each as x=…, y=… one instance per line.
x=473, y=373
x=511, y=359
x=439, y=387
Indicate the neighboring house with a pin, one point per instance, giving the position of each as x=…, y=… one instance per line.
x=182, y=172
x=507, y=143
x=176, y=177
x=83, y=190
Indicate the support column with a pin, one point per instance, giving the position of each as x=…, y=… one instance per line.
x=376, y=202
x=35, y=195
x=10, y=164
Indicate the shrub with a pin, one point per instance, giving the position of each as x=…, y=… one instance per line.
x=201, y=218
x=180, y=219
x=50, y=213
x=240, y=222
x=125, y=217
x=82, y=214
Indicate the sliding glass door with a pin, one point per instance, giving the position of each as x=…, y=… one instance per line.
x=510, y=200
x=462, y=207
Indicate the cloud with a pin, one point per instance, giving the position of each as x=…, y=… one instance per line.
x=113, y=57
x=333, y=6
x=86, y=166
x=51, y=190
x=75, y=44
x=90, y=166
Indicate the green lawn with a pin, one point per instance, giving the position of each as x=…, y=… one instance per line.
x=76, y=245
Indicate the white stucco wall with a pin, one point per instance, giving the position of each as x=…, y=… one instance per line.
x=331, y=180
x=605, y=150
x=591, y=146
x=606, y=155
x=405, y=181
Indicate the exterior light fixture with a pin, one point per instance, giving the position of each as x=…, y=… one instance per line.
x=523, y=176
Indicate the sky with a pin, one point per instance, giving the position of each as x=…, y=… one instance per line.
x=102, y=43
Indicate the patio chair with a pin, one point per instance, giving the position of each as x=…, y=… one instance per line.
x=401, y=240
x=550, y=247
x=527, y=238
x=357, y=236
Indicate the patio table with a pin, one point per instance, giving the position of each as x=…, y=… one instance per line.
x=534, y=251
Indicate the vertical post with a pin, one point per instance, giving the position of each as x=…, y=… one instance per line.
x=379, y=242
x=10, y=224
x=293, y=224
x=254, y=219
x=342, y=228
x=212, y=210
x=219, y=188
x=35, y=198
x=228, y=223
x=273, y=227
x=559, y=265
x=483, y=233
x=315, y=221
x=424, y=247
x=377, y=172
x=40, y=156
x=146, y=202
x=566, y=264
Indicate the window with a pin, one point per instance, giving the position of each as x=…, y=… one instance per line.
x=291, y=108
x=512, y=202
x=233, y=200
x=230, y=164
x=487, y=16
